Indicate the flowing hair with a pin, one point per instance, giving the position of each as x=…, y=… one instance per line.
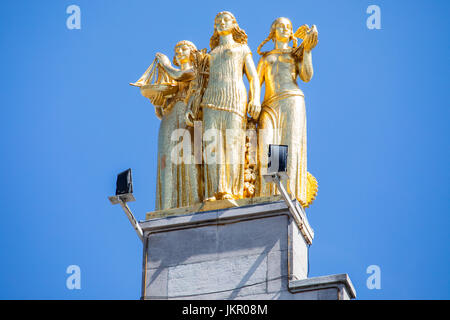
x=271, y=35
x=239, y=34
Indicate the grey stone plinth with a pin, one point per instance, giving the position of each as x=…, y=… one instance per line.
x=333, y=287
x=252, y=252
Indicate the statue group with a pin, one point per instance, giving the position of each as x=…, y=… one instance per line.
x=213, y=139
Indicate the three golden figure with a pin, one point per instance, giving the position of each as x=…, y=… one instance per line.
x=214, y=137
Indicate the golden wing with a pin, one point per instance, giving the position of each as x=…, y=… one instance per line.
x=309, y=37
x=302, y=31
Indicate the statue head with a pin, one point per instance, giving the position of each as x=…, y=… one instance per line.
x=224, y=24
x=280, y=30
x=184, y=52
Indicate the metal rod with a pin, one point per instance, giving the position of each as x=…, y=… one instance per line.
x=295, y=214
x=133, y=221
x=285, y=194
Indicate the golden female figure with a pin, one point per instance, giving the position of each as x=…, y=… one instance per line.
x=178, y=181
x=283, y=115
x=225, y=106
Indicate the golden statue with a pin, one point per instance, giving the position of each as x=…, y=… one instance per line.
x=224, y=108
x=179, y=182
x=208, y=148
x=283, y=115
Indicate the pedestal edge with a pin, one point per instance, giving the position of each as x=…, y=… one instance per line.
x=323, y=282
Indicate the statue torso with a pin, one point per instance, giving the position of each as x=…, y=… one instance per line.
x=280, y=73
x=226, y=89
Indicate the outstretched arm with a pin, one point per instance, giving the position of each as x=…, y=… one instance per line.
x=176, y=74
x=254, y=104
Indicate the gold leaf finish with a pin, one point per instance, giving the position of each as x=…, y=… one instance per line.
x=199, y=92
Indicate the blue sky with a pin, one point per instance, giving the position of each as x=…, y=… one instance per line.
x=378, y=139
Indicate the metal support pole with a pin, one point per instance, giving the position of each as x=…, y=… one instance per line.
x=296, y=215
x=122, y=200
x=133, y=221
x=284, y=193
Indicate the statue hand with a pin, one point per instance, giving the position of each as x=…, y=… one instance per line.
x=189, y=117
x=311, y=38
x=254, y=108
x=163, y=59
x=157, y=100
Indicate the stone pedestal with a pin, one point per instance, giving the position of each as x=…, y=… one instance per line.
x=251, y=252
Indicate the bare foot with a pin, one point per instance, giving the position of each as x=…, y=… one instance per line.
x=227, y=196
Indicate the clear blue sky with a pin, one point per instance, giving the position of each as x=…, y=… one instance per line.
x=378, y=139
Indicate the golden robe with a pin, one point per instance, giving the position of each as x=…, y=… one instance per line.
x=224, y=107
x=283, y=121
x=178, y=184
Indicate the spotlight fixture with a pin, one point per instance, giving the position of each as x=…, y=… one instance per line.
x=276, y=172
x=278, y=154
x=124, y=183
x=124, y=194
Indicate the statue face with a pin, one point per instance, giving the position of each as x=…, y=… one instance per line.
x=283, y=30
x=224, y=24
x=182, y=54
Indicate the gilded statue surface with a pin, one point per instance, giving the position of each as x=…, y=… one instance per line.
x=225, y=105
x=283, y=114
x=179, y=182
x=214, y=135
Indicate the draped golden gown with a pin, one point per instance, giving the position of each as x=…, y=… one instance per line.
x=224, y=115
x=283, y=121
x=177, y=185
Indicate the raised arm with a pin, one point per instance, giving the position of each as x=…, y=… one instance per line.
x=254, y=103
x=303, y=53
x=176, y=74
x=306, y=67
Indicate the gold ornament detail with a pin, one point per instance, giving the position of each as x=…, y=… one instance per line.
x=312, y=187
x=250, y=163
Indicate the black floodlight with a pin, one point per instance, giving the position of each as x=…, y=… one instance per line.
x=124, y=183
x=276, y=172
x=124, y=188
x=124, y=194
x=278, y=154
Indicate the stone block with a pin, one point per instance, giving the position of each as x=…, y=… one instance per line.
x=157, y=283
x=183, y=246
x=233, y=276
x=253, y=252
